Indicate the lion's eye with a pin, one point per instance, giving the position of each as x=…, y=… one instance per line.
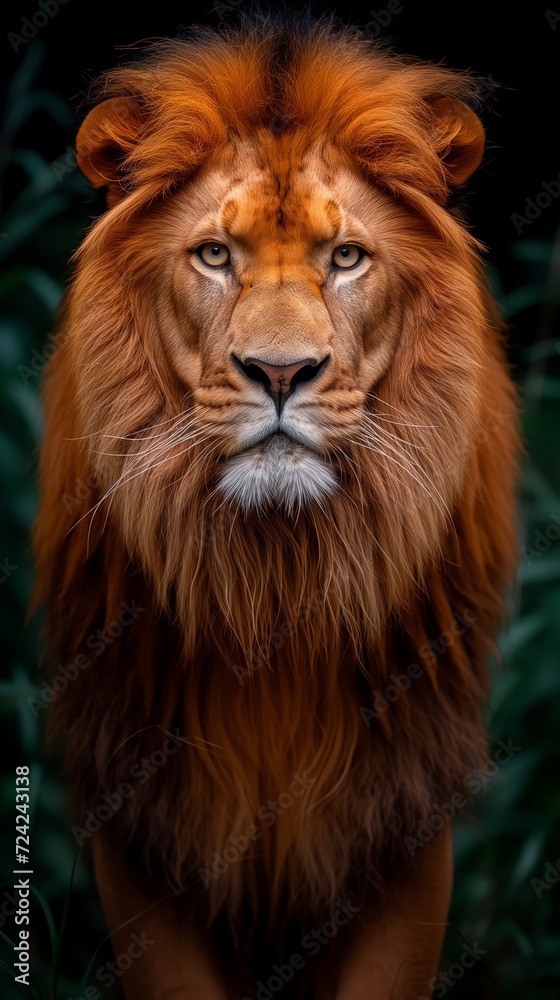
x=213, y=254
x=347, y=255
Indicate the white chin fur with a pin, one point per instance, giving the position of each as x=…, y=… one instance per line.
x=278, y=472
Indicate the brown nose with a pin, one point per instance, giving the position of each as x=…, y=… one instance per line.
x=280, y=380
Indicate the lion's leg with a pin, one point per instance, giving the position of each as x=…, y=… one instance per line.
x=395, y=957
x=156, y=956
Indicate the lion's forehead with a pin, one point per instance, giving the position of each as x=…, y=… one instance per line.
x=290, y=199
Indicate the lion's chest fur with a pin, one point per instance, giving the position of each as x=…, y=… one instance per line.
x=277, y=784
x=272, y=795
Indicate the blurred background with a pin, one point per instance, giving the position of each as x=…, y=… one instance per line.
x=506, y=902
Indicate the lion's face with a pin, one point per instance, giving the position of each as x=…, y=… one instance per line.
x=286, y=327
x=279, y=304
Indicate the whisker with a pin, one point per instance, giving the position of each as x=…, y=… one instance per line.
x=399, y=447
x=235, y=513
x=128, y=474
x=127, y=478
x=390, y=405
x=373, y=537
x=149, y=467
x=400, y=451
x=359, y=444
x=376, y=415
x=373, y=424
x=171, y=437
x=134, y=436
x=444, y=509
x=205, y=451
x=177, y=434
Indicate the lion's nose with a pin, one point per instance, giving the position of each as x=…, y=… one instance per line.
x=280, y=380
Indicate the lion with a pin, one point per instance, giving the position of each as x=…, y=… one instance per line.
x=284, y=380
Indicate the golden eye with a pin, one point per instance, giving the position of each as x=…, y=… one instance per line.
x=213, y=254
x=347, y=255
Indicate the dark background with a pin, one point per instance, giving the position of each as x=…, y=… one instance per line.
x=512, y=833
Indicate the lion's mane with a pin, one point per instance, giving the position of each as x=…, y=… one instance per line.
x=355, y=588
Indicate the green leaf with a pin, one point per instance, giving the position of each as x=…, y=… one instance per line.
x=543, y=388
x=48, y=917
x=532, y=250
x=32, y=162
x=537, y=484
x=527, y=296
x=528, y=859
x=87, y=973
x=541, y=350
x=37, y=100
x=520, y=937
x=521, y=632
x=25, y=991
x=20, y=226
x=545, y=569
x=60, y=936
x=26, y=72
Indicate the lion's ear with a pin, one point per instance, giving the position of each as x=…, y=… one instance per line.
x=459, y=139
x=106, y=138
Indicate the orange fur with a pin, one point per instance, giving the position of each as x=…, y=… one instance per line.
x=362, y=582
